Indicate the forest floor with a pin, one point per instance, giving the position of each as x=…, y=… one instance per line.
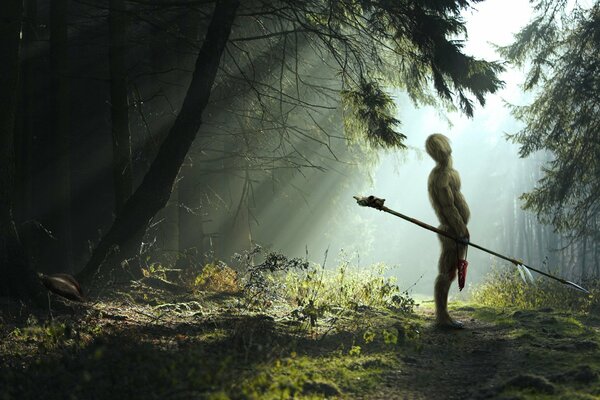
x=129, y=345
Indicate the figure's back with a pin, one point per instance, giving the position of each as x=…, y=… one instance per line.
x=442, y=179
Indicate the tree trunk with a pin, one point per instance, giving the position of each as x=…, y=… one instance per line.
x=61, y=132
x=540, y=242
x=155, y=190
x=119, y=105
x=25, y=131
x=584, y=249
x=18, y=280
x=596, y=256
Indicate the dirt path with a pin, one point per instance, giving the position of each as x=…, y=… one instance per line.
x=518, y=355
x=452, y=363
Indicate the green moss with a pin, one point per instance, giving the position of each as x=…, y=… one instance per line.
x=305, y=377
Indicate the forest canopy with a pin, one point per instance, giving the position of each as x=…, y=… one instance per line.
x=272, y=65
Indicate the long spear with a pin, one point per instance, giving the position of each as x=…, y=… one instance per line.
x=377, y=203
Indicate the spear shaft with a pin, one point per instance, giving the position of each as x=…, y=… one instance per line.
x=377, y=203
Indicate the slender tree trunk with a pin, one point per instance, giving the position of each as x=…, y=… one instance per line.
x=25, y=132
x=596, y=259
x=155, y=190
x=119, y=105
x=18, y=280
x=60, y=127
x=584, y=249
x=540, y=242
x=573, y=260
x=526, y=252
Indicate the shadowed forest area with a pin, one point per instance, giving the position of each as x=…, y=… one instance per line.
x=176, y=211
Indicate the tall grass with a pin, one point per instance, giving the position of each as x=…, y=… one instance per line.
x=504, y=287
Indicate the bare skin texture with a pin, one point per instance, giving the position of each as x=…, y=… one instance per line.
x=453, y=213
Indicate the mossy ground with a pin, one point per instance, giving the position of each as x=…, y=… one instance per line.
x=203, y=346
x=147, y=344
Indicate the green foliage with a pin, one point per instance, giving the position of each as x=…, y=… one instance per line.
x=217, y=277
x=302, y=377
x=370, y=109
x=408, y=45
x=563, y=49
x=505, y=288
x=343, y=290
x=262, y=282
x=315, y=291
x=48, y=336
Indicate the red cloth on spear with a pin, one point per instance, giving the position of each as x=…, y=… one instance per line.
x=462, y=273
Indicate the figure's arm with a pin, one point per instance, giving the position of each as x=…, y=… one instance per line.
x=450, y=212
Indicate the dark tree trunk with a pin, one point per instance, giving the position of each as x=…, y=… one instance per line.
x=18, y=280
x=155, y=189
x=25, y=131
x=60, y=128
x=119, y=109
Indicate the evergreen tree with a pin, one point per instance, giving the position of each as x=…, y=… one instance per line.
x=18, y=280
x=561, y=48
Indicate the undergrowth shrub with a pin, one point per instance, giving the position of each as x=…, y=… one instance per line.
x=217, y=277
x=314, y=291
x=161, y=271
x=346, y=288
x=504, y=287
x=264, y=283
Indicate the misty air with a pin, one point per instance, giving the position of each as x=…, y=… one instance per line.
x=317, y=199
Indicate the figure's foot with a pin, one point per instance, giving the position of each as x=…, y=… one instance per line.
x=448, y=323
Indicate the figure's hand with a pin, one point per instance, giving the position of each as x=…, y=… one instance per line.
x=463, y=236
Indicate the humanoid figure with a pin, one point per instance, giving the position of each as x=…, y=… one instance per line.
x=453, y=213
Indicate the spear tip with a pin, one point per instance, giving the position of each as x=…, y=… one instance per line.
x=576, y=286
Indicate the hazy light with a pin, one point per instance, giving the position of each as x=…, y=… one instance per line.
x=493, y=176
x=481, y=155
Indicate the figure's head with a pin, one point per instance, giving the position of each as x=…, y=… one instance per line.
x=438, y=147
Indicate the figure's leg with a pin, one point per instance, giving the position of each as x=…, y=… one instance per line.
x=446, y=274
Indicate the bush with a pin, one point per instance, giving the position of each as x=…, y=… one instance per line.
x=217, y=277
x=317, y=291
x=504, y=287
x=264, y=283
x=313, y=290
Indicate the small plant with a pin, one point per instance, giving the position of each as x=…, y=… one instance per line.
x=217, y=277
x=262, y=283
x=402, y=302
x=161, y=271
x=48, y=336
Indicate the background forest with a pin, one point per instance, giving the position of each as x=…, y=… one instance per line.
x=162, y=149
x=302, y=99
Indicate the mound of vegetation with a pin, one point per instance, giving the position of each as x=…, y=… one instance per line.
x=504, y=287
x=279, y=328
